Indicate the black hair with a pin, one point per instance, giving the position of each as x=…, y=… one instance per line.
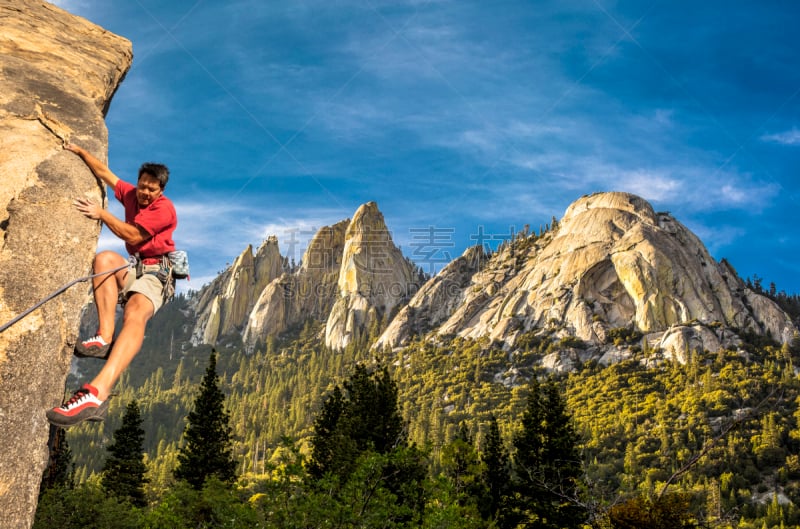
x=158, y=170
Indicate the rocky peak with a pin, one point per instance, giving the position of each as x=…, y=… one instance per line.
x=268, y=263
x=614, y=201
x=611, y=262
x=223, y=307
x=370, y=259
x=237, y=292
x=308, y=292
x=324, y=253
x=374, y=278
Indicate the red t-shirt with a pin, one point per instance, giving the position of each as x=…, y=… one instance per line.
x=158, y=219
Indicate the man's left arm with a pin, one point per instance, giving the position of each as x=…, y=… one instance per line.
x=130, y=233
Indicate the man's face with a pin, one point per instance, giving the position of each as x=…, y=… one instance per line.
x=147, y=190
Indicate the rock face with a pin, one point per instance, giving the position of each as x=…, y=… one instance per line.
x=611, y=262
x=58, y=74
x=435, y=302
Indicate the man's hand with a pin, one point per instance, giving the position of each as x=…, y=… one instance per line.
x=72, y=147
x=88, y=208
x=98, y=168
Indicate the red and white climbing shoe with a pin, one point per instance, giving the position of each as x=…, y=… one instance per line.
x=83, y=406
x=94, y=347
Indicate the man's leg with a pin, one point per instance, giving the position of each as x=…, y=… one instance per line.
x=106, y=291
x=138, y=311
x=90, y=403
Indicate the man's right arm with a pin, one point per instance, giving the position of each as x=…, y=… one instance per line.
x=98, y=168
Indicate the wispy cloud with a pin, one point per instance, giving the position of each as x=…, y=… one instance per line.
x=199, y=224
x=695, y=188
x=789, y=137
x=653, y=185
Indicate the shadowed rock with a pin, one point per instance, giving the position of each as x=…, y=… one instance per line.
x=58, y=74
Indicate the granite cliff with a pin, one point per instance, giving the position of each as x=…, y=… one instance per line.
x=58, y=74
x=374, y=278
x=308, y=292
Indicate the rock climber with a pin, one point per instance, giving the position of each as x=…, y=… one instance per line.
x=150, y=220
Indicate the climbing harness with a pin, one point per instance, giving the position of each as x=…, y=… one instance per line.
x=131, y=262
x=165, y=274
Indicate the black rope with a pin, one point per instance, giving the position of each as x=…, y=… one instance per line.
x=60, y=291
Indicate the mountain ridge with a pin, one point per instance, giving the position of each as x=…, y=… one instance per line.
x=610, y=262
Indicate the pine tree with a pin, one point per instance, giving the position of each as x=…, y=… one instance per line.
x=546, y=461
x=460, y=463
x=496, y=472
x=363, y=417
x=60, y=471
x=361, y=430
x=208, y=448
x=124, y=470
x=373, y=417
x=328, y=445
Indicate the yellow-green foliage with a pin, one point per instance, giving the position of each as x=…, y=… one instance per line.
x=638, y=425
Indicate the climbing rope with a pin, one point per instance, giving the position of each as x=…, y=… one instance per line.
x=58, y=292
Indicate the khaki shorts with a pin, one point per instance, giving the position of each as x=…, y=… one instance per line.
x=149, y=285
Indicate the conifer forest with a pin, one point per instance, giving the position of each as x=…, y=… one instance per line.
x=448, y=433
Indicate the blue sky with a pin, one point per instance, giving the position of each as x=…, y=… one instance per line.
x=461, y=118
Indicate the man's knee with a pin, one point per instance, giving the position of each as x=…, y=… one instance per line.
x=107, y=260
x=138, y=307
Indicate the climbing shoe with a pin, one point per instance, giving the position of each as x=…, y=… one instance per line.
x=94, y=347
x=82, y=406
